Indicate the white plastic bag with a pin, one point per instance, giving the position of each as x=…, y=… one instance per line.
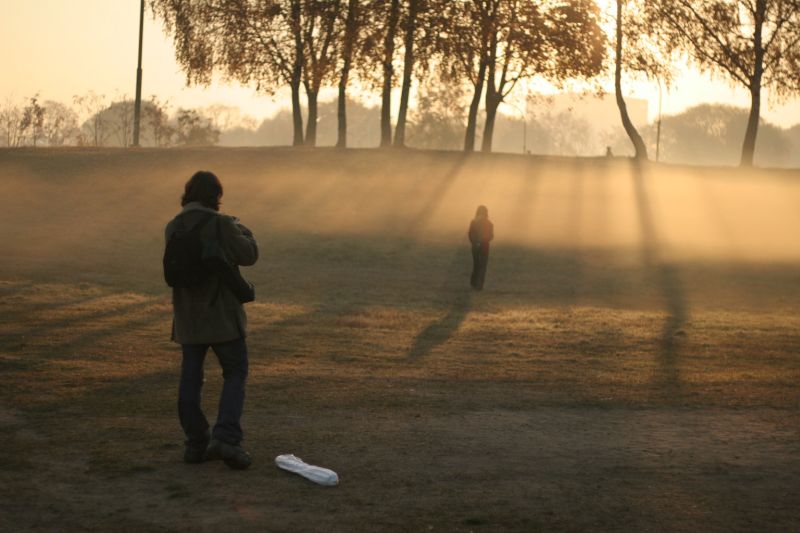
x=317, y=474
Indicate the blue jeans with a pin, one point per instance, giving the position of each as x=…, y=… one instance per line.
x=232, y=357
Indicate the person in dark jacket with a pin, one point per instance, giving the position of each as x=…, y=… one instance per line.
x=210, y=315
x=481, y=232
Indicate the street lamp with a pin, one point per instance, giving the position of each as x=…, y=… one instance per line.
x=137, y=110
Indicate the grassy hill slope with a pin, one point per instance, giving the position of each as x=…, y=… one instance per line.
x=631, y=364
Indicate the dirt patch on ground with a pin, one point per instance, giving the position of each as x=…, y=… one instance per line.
x=540, y=468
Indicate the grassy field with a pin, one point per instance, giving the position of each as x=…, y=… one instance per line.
x=632, y=364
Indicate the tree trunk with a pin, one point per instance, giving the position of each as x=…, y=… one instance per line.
x=297, y=76
x=386, y=104
x=341, y=110
x=311, y=124
x=347, y=56
x=488, y=128
x=749, y=145
x=297, y=114
x=388, y=71
x=408, y=69
x=472, y=119
x=630, y=129
x=493, y=99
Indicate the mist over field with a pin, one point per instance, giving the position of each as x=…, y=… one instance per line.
x=86, y=205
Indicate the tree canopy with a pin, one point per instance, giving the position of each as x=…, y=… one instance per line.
x=484, y=46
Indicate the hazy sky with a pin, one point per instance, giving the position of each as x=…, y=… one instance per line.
x=60, y=48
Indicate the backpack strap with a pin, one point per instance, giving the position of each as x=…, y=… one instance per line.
x=219, y=241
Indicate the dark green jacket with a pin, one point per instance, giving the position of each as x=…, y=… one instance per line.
x=210, y=313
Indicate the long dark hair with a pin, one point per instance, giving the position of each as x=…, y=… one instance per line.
x=203, y=187
x=481, y=212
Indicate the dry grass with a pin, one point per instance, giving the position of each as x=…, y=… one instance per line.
x=633, y=363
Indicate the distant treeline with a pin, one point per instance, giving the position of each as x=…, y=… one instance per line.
x=708, y=134
x=93, y=120
x=704, y=135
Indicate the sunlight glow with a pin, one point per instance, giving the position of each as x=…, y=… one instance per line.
x=91, y=45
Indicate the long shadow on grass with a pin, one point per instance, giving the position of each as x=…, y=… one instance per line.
x=36, y=307
x=131, y=324
x=669, y=284
x=14, y=288
x=22, y=310
x=440, y=331
x=79, y=320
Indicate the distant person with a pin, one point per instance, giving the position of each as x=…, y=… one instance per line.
x=609, y=153
x=208, y=313
x=481, y=232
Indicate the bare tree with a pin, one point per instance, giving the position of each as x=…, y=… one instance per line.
x=630, y=129
x=754, y=43
x=381, y=26
x=33, y=119
x=467, y=29
x=437, y=122
x=251, y=41
x=93, y=130
x=119, y=119
x=194, y=129
x=421, y=23
x=640, y=50
x=156, y=120
x=10, y=121
x=60, y=123
x=554, y=40
x=352, y=40
x=224, y=117
x=320, y=54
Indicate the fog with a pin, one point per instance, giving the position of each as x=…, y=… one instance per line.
x=106, y=205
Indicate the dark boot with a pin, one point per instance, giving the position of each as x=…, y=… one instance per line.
x=194, y=453
x=233, y=455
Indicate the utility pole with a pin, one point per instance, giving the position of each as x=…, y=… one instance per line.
x=137, y=110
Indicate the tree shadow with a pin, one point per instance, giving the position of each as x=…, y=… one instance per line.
x=460, y=303
x=78, y=320
x=153, y=316
x=14, y=288
x=425, y=212
x=439, y=332
x=670, y=286
x=523, y=211
x=575, y=218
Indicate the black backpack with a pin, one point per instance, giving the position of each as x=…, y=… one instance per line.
x=183, y=255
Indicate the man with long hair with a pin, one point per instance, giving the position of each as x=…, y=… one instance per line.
x=208, y=314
